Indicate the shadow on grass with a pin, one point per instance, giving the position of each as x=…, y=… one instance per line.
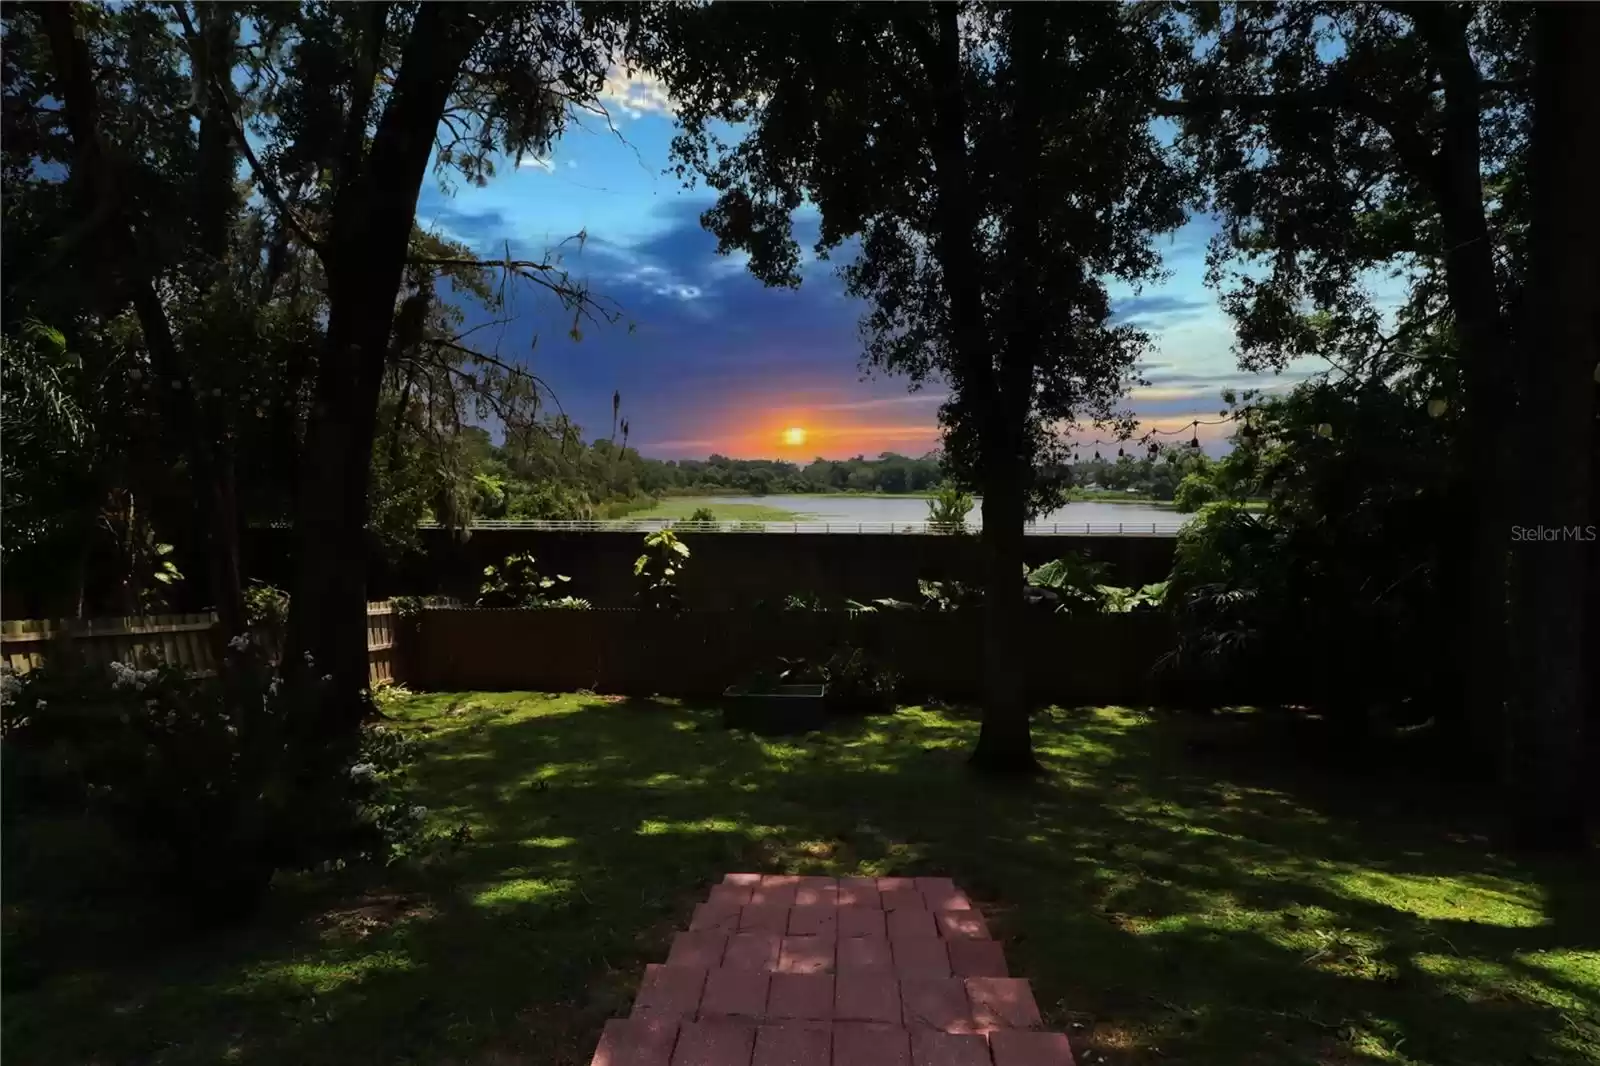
x=1178, y=904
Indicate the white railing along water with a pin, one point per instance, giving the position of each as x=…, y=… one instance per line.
x=645, y=525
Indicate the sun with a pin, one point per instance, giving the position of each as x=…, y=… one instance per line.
x=794, y=436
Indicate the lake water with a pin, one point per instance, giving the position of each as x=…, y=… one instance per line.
x=909, y=509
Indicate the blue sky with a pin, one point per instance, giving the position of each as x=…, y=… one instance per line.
x=717, y=362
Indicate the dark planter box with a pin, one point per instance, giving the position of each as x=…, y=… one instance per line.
x=784, y=709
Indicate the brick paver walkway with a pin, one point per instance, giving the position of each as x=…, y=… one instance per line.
x=821, y=971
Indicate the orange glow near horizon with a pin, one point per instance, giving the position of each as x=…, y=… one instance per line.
x=794, y=437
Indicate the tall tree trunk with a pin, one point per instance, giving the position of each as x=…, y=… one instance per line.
x=217, y=207
x=1005, y=742
x=1476, y=565
x=373, y=214
x=1551, y=596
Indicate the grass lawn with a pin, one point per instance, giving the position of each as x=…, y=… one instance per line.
x=1159, y=888
x=684, y=506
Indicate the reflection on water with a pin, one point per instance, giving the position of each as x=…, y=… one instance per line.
x=910, y=509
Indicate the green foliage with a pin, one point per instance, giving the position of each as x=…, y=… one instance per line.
x=948, y=509
x=660, y=568
x=265, y=608
x=191, y=780
x=703, y=514
x=858, y=685
x=1342, y=565
x=855, y=683
x=1193, y=493
x=948, y=595
x=516, y=582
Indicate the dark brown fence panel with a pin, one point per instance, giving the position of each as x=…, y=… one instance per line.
x=1104, y=658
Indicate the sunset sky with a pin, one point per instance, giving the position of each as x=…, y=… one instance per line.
x=718, y=363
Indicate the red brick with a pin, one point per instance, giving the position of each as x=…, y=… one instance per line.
x=863, y=1044
x=921, y=958
x=866, y=996
x=669, y=992
x=895, y=884
x=1002, y=1003
x=1016, y=1047
x=764, y=918
x=747, y=880
x=738, y=895
x=897, y=898
x=806, y=954
x=961, y=925
x=777, y=889
x=793, y=1044
x=774, y=895
x=936, y=900
x=861, y=921
x=930, y=1047
x=722, y=917
x=752, y=951
x=812, y=891
x=910, y=924
x=636, y=1042
x=864, y=953
x=701, y=948
x=938, y=1003
x=720, y=1042
x=859, y=892
x=815, y=919
x=977, y=958
x=935, y=884
x=804, y=996
x=735, y=994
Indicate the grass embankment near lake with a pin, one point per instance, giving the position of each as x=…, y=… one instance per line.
x=1174, y=895
x=676, y=507
x=1113, y=496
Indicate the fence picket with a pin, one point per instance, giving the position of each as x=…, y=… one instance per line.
x=182, y=640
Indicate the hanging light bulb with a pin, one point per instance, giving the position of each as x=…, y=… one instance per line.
x=1097, y=455
x=1120, y=452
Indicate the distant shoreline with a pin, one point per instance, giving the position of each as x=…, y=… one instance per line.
x=1082, y=495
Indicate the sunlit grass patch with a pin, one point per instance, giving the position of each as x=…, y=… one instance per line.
x=1157, y=899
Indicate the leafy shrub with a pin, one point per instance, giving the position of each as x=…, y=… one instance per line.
x=856, y=685
x=949, y=595
x=660, y=567
x=703, y=514
x=266, y=612
x=948, y=508
x=517, y=583
x=189, y=787
x=1194, y=492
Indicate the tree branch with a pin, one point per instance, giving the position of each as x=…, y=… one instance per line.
x=269, y=188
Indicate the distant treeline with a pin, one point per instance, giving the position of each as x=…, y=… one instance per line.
x=571, y=479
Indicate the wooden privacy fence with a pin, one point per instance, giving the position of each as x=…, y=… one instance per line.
x=183, y=640
x=1097, y=658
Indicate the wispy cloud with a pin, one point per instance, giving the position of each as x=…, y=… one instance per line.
x=538, y=162
x=699, y=447
x=916, y=398
x=637, y=94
